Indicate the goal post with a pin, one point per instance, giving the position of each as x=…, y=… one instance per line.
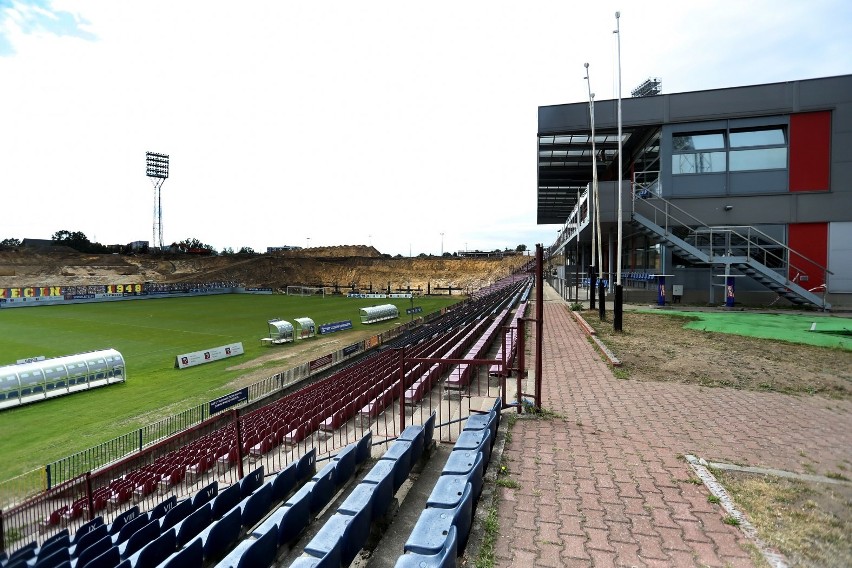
x=306, y=291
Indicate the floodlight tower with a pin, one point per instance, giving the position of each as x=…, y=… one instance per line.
x=157, y=168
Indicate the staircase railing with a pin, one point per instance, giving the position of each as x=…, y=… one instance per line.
x=720, y=242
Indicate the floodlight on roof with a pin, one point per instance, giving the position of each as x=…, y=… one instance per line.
x=650, y=87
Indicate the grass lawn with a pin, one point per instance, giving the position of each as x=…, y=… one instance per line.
x=149, y=334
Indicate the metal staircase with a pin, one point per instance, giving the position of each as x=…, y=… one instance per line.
x=743, y=249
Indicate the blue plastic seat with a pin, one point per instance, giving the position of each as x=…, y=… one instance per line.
x=360, y=498
x=481, y=421
x=284, y=482
x=178, y=513
x=162, y=508
x=255, y=506
x=225, y=501
x=205, y=495
x=475, y=440
x=307, y=465
x=448, y=491
x=54, y=559
x=345, y=469
x=190, y=556
x=475, y=475
x=192, y=526
x=107, y=558
x=445, y=558
x=220, y=536
x=251, y=482
x=347, y=533
x=429, y=430
x=140, y=538
x=329, y=559
x=84, y=530
x=26, y=552
x=54, y=543
x=130, y=528
x=123, y=519
x=62, y=536
x=382, y=476
x=253, y=553
x=415, y=435
x=323, y=487
x=307, y=562
x=295, y=514
x=91, y=537
x=156, y=551
x=400, y=453
x=363, y=448
x=95, y=550
x=430, y=533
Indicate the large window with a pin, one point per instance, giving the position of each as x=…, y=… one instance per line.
x=693, y=153
x=746, y=149
x=758, y=150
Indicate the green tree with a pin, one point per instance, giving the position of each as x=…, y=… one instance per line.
x=194, y=245
x=247, y=250
x=9, y=243
x=521, y=248
x=227, y=251
x=78, y=241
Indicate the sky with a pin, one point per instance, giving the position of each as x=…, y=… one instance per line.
x=407, y=126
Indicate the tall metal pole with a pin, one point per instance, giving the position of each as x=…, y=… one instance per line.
x=577, y=259
x=595, y=279
x=539, y=323
x=619, y=291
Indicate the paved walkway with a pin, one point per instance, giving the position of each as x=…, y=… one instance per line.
x=604, y=483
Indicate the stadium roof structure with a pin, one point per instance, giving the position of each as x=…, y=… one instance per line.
x=565, y=156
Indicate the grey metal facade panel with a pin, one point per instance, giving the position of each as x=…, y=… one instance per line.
x=696, y=185
x=839, y=250
x=756, y=100
x=758, y=182
x=727, y=103
x=826, y=93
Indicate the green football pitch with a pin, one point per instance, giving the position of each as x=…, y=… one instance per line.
x=150, y=334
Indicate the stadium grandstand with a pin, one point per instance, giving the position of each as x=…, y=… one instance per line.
x=312, y=472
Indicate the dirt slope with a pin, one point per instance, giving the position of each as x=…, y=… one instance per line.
x=344, y=266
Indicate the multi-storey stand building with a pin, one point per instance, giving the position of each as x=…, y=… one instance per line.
x=740, y=195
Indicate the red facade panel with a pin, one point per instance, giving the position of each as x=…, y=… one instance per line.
x=810, y=240
x=810, y=138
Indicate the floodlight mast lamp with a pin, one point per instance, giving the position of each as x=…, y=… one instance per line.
x=157, y=168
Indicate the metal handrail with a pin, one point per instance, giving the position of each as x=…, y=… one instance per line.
x=698, y=228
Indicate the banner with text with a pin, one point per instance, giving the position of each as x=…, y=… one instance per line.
x=208, y=356
x=228, y=401
x=334, y=326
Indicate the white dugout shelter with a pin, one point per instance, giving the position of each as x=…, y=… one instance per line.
x=38, y=380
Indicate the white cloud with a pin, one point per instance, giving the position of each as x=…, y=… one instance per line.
x=341, y=120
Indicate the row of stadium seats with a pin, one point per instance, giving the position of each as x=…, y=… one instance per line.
x=460, y=376
x=345, y=533
x=326, y=404
x=511, y=341
x=442, y=531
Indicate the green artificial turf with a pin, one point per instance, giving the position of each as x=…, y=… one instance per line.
x=149, y=334
x=829, y=331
